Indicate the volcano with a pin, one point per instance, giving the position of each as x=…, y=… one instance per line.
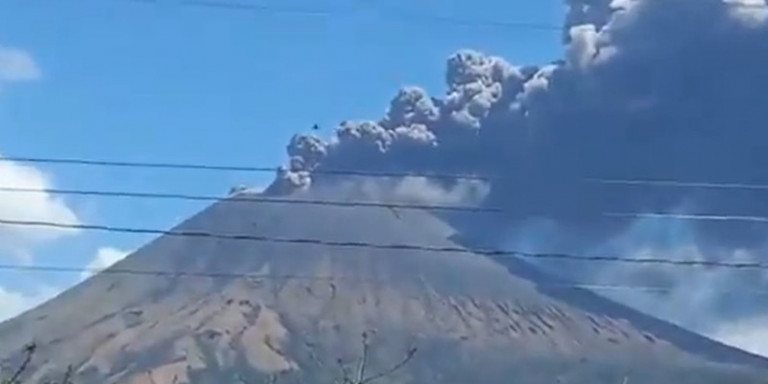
x=303, y=312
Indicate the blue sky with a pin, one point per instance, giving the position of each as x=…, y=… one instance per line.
x=126, y=80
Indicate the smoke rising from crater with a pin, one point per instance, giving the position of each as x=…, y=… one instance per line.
x=646, y=89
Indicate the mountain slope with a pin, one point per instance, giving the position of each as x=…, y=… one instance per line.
x=472, y=319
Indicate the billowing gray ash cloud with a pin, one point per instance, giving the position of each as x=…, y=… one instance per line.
x=647, y=89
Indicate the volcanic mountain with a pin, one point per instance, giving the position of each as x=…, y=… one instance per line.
x=300, y=310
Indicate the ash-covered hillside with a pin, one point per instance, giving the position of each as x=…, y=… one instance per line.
x=472, y=319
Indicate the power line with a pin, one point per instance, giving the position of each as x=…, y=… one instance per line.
x=139, y=272
x=373, y=174
x=270, y=9
x=680, y=184
x=327, y=12
x=258, y=199
x=252, y=199
x=260, y=8
x=649, y=288
x=130, y=164
x=234, y=168
x=261, y=276
x=494, y=253
x=484, y=23
x=694, y=217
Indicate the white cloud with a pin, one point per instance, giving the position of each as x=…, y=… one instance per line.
x=105, y=258
x=750, y=335
x=17, y=65
x=751, y=12
x=417, y=190
x=583, y=48
x=14, y=303
x=238, y=189
x=17, y=240
x=422, y=190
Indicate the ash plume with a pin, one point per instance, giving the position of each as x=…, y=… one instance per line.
x=646, y=90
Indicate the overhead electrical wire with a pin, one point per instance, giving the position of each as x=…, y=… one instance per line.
x=260, y=8
x=372, y=174
x=233, y=168
x=252, y=7
x=260, y=199
x=493, y=253
x=680, y=184
x=277, y=277
x=682, y=216
x=252, y=199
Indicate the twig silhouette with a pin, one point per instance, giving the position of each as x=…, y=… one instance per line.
x=29, y=351
x=363, y=360
x=361, y=377
x=408, y=357
x=67, y=379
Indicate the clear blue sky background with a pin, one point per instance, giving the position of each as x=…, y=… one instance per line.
x=125, y=80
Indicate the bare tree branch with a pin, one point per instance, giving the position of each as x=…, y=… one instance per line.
x=408, y=357
x=29, y=350
x=346, y=376
x=67, y=379
x=363, y=360
x=362, y=365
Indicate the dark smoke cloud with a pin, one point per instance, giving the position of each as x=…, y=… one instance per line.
x=647, y=89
